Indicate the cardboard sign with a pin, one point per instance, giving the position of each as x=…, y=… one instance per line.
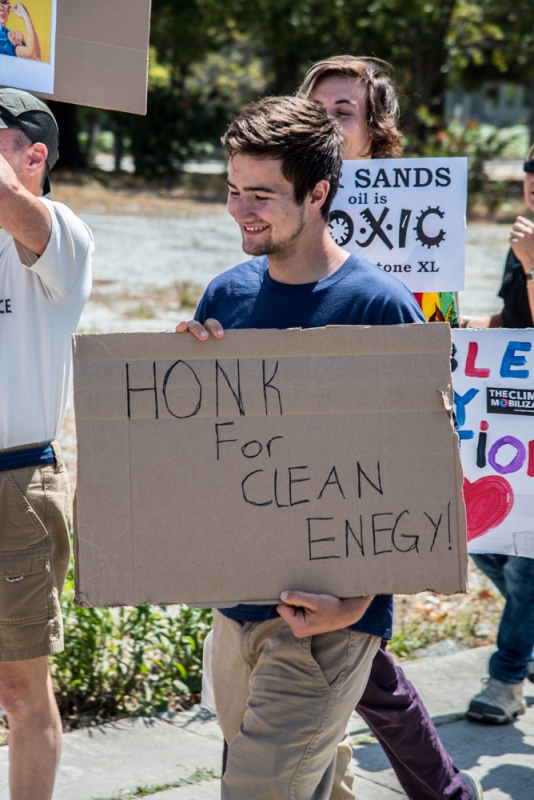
x=212, y=473
x=101, y=54
x=27, y=44
x=408, y=216
x=494, y=401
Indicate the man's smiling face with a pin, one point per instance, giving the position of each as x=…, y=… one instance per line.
x=262, y=202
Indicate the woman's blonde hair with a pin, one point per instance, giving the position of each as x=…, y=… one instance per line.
x=530, y=154
x=382, y=98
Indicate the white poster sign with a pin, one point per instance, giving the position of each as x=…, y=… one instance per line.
x=408, y=216
x=27, y=44
x=493, y=378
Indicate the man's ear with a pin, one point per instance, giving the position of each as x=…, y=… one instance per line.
x=318, y=195
x=37, y=155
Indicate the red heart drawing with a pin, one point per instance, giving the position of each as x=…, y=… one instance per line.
x=488, y=502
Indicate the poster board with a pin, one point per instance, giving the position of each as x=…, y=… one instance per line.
x=101, y=54
x=493, y=382
x=27, y=44
x=408, y=215
x=225, y=471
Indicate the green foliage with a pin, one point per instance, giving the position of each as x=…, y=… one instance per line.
x=414, y=635
x=127, y=661
x=480, y=143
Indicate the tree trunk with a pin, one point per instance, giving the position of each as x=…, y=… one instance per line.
x=287, y=72
x=70, y=154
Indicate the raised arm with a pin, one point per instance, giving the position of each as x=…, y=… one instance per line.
x=522, y=242
x=21, y=213
x=31, y=49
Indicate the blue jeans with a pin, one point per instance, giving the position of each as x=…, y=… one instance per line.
x=514, y=578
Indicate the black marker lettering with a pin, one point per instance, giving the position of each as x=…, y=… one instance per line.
x=267, y=385
x=152, y=388
x=377, y=488
x=334, y=482
x=380, y=530
x=316, y=541
x=245, y=498
x=359, y=541
x=415, y=543
x=237, y=396
x=293, y=480
x=221, y=441
x=166, y=380
x=435, y=526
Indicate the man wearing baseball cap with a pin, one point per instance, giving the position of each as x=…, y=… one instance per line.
x=45, y=280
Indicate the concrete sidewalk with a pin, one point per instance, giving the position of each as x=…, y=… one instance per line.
x=184, y=750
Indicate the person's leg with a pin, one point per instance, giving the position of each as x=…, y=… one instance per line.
x=283, y=705
x=502, y=699
x=515, y=639
x=34, y=557
x=34, y=728
x=397, y=717
x=492, y=565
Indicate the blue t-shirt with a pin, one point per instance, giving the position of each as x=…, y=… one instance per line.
x=358, y=293
x=6, y=47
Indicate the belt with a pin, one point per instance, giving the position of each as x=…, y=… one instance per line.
x=28, y=457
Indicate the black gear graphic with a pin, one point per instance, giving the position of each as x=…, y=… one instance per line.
x=429, y=241
x=341, y=227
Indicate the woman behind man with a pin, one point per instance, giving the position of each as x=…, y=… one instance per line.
x=360, y=93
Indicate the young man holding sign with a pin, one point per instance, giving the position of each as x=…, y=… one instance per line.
x=287, y=677
x=45, y=280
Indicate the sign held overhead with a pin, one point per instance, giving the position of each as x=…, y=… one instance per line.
x=97, y=51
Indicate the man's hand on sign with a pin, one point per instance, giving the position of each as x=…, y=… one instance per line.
x=309, y=614
x=202, y=332
x=522, y=241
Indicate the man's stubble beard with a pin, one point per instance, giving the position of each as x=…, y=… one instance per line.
x=283, y=249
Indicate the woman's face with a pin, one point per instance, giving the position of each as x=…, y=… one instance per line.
x=345, y=100
x=528, y=189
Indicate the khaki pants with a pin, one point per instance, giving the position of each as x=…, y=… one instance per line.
x=283, y=705
x=35, y=521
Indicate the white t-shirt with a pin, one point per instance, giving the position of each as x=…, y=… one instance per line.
x=41, y=301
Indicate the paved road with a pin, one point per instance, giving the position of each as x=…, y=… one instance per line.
x=185, y=749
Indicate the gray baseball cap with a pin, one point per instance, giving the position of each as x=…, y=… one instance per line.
x=21, y=110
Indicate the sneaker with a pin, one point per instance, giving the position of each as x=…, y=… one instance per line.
x=474, y=785
x=499, y=702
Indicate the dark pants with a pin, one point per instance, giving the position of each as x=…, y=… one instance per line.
x=397, y=717
x=514, y=578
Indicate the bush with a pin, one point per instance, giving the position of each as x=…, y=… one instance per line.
x=127, y=661
x=480, y=143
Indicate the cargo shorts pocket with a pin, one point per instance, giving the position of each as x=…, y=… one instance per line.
x=24, y=585
x=23, y=510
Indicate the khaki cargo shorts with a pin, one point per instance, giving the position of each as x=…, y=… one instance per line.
x=35, y=521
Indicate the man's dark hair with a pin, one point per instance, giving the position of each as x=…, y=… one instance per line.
x=299, y=134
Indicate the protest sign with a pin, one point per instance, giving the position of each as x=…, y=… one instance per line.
x=493, y=378
x=27, y=44
x=406, y=215
x=323, y=460
x=92, y=54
